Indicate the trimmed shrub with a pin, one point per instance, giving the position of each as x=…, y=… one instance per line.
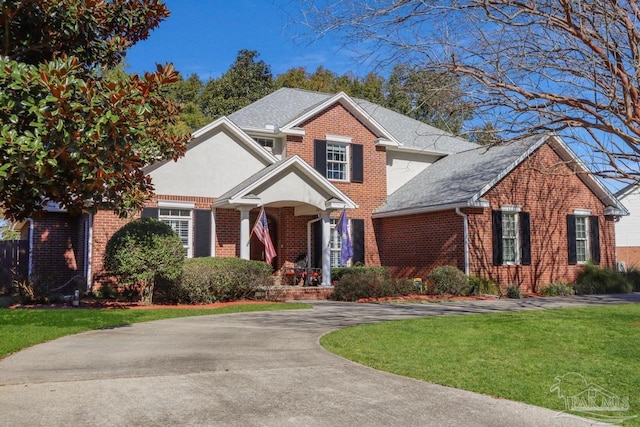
x=483, y=286
x=448, y=280
x=369, y=282
x=338, y=272
x=142, y=253
x=633, y=277
x=596, y=280
x=513, y=292
x=557, y=290
x=209, y=280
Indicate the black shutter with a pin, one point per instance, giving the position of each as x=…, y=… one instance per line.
x=317, y=244
x=496, y=220
x=357, y=231
x=594, y=234
x=149, y=213
x=202, y=233
x=571, y=239
x=357, y=173
x=525, y=235
x=320, y=156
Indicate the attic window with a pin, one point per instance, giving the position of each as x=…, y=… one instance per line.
x=265, y=142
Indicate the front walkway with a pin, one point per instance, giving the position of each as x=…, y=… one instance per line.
x=252, y=369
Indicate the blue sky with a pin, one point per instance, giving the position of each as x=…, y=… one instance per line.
x=204, y=37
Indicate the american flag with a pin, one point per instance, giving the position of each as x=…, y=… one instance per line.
x=261, y=229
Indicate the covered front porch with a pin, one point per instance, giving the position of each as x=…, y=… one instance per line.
x=299, y=204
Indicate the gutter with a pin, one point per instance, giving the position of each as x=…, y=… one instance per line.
x=466, y=239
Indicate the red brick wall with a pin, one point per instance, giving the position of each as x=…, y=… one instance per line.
x=546, y=188
x=413, y=245
x=56, y=255
x=369, y=194
x=630, y=255
x=105, y=224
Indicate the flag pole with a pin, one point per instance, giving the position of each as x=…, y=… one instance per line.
x=255, y=223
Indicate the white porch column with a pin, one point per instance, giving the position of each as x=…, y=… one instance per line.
x=326, y=250
x=245, y=250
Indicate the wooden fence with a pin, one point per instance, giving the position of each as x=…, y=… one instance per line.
x=14, y=260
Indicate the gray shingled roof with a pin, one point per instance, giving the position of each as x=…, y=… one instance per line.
x=285, y=105
x=457, y=178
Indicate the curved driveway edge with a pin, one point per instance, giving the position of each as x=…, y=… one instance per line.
x=249, y=369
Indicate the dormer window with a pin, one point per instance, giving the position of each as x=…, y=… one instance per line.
x=265, y=142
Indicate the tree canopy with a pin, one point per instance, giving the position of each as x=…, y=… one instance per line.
x=71, y=131
x=564, y=66
x=434, y=98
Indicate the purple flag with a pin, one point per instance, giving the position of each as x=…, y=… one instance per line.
x=346, y=250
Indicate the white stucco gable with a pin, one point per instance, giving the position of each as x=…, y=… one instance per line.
x=291, y=182
x=219, y=156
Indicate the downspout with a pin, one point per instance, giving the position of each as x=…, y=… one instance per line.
x=89, y=249
x=466, y=239
x=30, y=262
x=309, y=240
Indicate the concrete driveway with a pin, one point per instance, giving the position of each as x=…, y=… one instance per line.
x=253, y=369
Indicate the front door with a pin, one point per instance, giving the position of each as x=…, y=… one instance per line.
x=257, y=248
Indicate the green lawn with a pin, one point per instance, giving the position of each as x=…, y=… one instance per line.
x=22, y=328
x=515, y=356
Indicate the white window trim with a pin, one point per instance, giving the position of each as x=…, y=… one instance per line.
x=189, y=218
x=347, y=163
x=517, y=236
x=587, y=246
x=339, y=138
x=166, y=204
x=511, y=208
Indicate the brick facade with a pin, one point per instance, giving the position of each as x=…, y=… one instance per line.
x=411, y=245
x=544, y=186
x=58, y=254
x=630, y=255
x=372, y=192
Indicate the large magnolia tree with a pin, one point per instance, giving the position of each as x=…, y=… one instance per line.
x=71, y=131
x=566, y=66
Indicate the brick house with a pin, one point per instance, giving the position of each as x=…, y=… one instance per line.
x=628, y=228
x=525, y=213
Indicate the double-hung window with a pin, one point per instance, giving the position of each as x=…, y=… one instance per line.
x=180, y=221
x=583, y=237
x=337, y=161
x=335, y=245
x=510, y=248
x=511, y=236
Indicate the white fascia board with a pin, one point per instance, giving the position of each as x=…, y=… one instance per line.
x=403, y=149
x=350, y=105
x=590, y=180
x=509, y=168
x=429, y=209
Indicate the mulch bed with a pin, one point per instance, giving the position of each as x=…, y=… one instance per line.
x=133, y=305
